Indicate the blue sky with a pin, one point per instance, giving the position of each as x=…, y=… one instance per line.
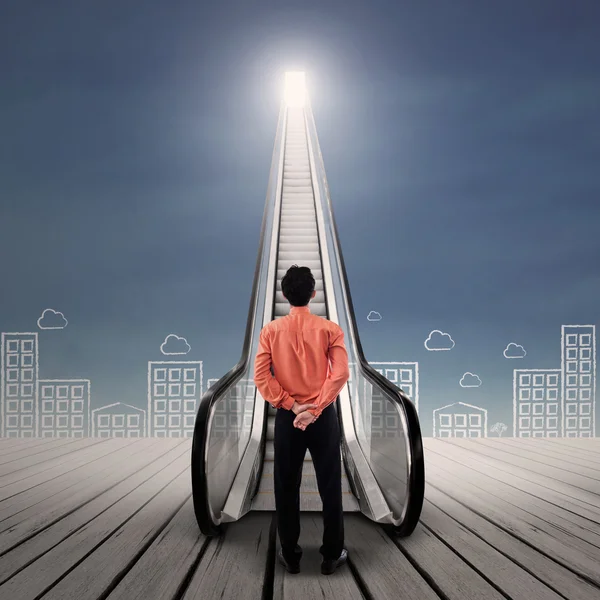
x=461, y=142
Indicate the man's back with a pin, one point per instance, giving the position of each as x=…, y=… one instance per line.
x=300, y=347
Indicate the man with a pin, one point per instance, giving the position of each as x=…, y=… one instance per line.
x=299, y=348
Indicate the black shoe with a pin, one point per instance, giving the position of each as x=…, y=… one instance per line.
x=329, y=566
x=291, y=568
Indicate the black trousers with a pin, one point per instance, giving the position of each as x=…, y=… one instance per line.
x=322, y=438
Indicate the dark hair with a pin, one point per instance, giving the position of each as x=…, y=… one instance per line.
x=298, y=285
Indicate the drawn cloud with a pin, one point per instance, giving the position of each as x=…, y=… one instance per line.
x=438, y=340
x=52, y=319
x=514, y=351
x=374, y=316
x=470, y=380
x=174, y=344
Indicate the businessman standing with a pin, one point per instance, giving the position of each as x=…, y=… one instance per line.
x=310, y=367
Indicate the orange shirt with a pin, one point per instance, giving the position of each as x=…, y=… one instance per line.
x=300, y=347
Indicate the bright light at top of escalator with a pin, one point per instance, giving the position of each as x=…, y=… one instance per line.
x=295, y=88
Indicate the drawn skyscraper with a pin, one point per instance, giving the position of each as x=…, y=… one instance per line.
x=578, y=364
x=174, y=389
x=19, y=384
x=536, y=402
x=383, y=418
x=64, y=407
x=239, y=402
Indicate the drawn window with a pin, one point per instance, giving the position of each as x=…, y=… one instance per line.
x=406, y=375
x=460, y=420
x=160, y=374
x=474, y=420
x=174, y=374
x=585, y=339
x=525, y=380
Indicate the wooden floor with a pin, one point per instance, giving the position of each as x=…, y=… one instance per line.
x=94, y=519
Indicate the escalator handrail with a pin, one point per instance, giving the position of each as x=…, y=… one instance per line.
x=202, y=508
x=416, y=474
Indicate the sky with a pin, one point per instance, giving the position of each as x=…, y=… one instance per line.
x=461, y=142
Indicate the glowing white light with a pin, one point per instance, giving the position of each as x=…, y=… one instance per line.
x=295, y=88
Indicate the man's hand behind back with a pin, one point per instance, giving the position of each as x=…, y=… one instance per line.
x=300, y=408
x=304, y=419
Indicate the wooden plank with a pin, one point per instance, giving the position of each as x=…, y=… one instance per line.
x=159, y=573
x=519, y=482
x=581, y=453
x=523, y=503
x=23, y=457
x=587, y=444
x=528, y=528
x=25, y=523
x=383, y=569
x=583, y=490
x=471, y=457
x=508, y=576
x=46, y=459
x=535, y=455
x=28, y=478
x=37, y=563
x=76, y=477
x=234, y=564
x=556, y=576
x=95, y=575
x=455, y=578
x=310, y=583
x=12, y=445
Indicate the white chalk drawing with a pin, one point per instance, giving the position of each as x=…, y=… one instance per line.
x=19, y=373
x=536, y=402
x=118, y=420
x=64, y=408
x=469, y=380
x=174, y=344
x=174, y=389
x=52, y=319
x=559, y=402
x=374, y=316
x=460, y=420
x=514, y=351
x=578, y=367
x=438, y=340
x=232, y=416
x=498, y=429
x=384, y=420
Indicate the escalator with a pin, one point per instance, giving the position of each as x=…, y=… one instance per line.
x=232, y=448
